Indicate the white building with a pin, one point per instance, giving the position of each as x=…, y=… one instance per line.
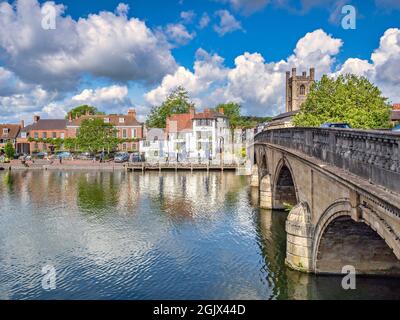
x=153, y=146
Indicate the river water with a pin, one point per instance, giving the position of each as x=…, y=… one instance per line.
x=153, y=236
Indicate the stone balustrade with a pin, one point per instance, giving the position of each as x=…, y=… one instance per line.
x=373, y=155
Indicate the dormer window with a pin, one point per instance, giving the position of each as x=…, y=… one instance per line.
x=121, y=120
x=107, y=120
x=5, y=130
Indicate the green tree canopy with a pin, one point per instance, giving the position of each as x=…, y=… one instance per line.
x=81, y=110
x=9, y=150
x=178, y=101
x=95, y=135
x=348, y=98
x=233, y=111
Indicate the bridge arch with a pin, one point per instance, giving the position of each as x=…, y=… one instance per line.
x=339, y=240
x=284, y=189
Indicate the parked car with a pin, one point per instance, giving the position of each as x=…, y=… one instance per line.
x=342, y=125
x=136, y=157
x=39, y=155
x=85, y=156
x=63, y=155
x=396, y=128
x=121, y=157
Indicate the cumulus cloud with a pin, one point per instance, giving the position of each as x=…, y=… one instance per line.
x=178, y=34
x=187, y=16
x=255, y=83
x=103, y=45
x=204, y=20
x=227, y=23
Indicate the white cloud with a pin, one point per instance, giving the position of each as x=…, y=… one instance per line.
x=204, y=20
x=102, y=45
x=187, y=16
x=255, y=83
x=178, y=34
x=227, y=23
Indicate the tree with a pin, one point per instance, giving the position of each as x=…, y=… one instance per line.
x=81, y=110
x=178, y=101
x=348, y=98
x=9, y=150
x=95, y=135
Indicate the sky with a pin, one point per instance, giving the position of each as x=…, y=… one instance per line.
x=117, y=54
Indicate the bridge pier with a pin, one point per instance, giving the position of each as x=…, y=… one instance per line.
x=266, y=193
x=299, y=241
x=254, y=180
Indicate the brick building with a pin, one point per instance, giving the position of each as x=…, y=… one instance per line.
x=9, y=133
x=127, y=127
x=40, y=129
x=395, y=115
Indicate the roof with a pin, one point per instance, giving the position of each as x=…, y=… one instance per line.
x=285, y=115
x=130, y=120
x=209, y=115
x=13, y=130
x=47, y=124
x=395, y=116
x=179, y=122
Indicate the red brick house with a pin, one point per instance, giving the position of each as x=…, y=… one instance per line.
x=127, y=126
x=9, y=133
x=40, y=129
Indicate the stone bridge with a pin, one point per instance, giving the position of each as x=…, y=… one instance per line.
x=343, y=189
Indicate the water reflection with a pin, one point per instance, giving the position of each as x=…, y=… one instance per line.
x=118, y=235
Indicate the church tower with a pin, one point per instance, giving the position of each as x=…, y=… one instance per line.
x=297, y=88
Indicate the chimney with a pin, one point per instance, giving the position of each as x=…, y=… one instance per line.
x=70, y=116
x=312, y=73
x=36, y=119
x=191, y=112
x=287, y=75
x=22, y=124
x=293, y=72
x=221, y=110
x=132, y=113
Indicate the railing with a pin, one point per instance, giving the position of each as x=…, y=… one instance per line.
x=373, y=155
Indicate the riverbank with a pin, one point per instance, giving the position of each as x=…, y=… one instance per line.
x=65, y=165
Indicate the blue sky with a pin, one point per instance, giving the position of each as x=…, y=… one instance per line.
x=119, y=54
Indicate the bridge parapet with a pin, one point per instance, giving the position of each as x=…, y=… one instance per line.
x=373, y=155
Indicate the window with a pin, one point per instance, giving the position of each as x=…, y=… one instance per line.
x=23, y=135
x=107, y=120
x=302, y=89
x=62, y=135
x=121, y=120
x=124, y=133
x=156, y=153
x=155, y=139
x=54, y=135
x=36, y=146
x=146, y=143
x=44, y=135
x=36, y=135
x=133, y=133
x=124, y=146
x=198, y=145
x=5, y=130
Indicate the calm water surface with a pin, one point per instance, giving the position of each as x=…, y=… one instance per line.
x=133, y=236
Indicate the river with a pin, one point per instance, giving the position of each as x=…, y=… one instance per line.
x=119, y=235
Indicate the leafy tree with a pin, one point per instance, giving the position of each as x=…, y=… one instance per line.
x=9, y=150
x=348, y=98
x=70, y=144
x=178, y=101
x=95, y=135
x=81, y=110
